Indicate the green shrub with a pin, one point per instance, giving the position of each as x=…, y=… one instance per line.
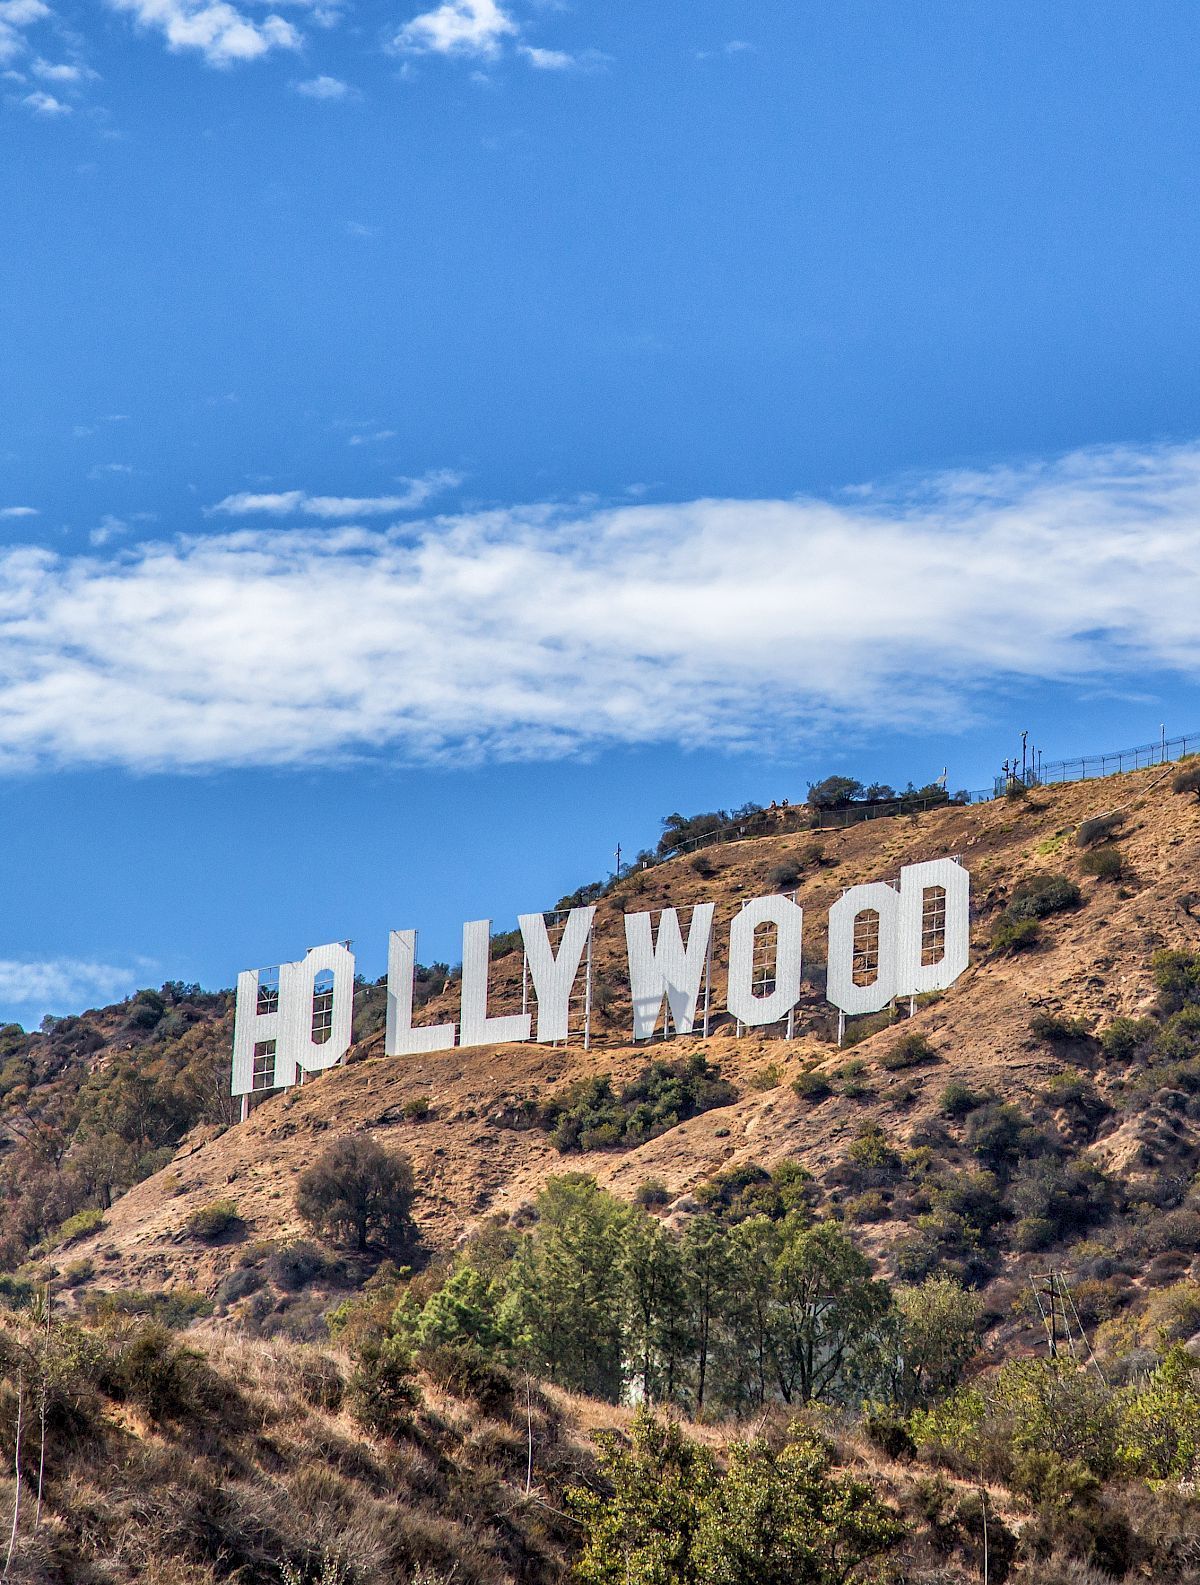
x=768, y=1078
x=812, y=1086
x=591, y=1115
x=957, y=1100
x=784, y=877
x=911, y=1051
x=383, y=1392
x=1177, y=975
x=81, y=1225
x=1187, y=780
x=1040, y=894
x=1014, y=935
x=169, y=1381
x=213, y=1221
x=466, y=1371
x=1127, y=1038
x=418, y=1109
x=1058, y=1031
x=651, y=1194
x=1103, y=863
x=1098, y=829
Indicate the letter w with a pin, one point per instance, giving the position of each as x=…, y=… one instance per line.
x=667, y=968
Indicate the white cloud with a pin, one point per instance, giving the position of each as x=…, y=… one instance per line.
x=219, y=31
x=18, y=511
x=542, y=631
x=63, y=982
x=291, y=503
x=108, y=470
x=60, y=72
x=372, y=439
x=548, y=60
x=15, y=15
x=459, y=27
x=329, y=88
x=44, y=104
x=110, y=528
x=560, y=61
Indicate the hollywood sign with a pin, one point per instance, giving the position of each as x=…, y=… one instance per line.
x=884, y=942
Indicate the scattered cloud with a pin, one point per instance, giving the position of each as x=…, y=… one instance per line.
x=18, y=511
x=560, y=61
x=221, y=33
x=326, y=88
x=64, y=982
x=61, y=72
x=548, y=60
x=372, y=439
x=355, y=228
x=44, y=104
x=459, y=27
x=15, y=16
x=293, y=503
x=110, y=528
x=109, y=470
x=544, y=631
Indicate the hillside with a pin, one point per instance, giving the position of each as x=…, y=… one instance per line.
x=1091, y=966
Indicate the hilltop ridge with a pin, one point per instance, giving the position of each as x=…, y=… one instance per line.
x=453, y=1113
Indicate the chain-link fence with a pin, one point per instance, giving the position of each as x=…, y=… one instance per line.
x=799, y=817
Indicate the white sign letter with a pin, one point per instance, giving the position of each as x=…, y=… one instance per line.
x=841, y=989
x=255, y=1023
x=476, y=1028
x=951, y=922
x=400, y=1038
x=554, y=976
x=666, y=968
x=788, y=920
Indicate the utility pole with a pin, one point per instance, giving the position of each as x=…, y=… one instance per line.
x=618, y=861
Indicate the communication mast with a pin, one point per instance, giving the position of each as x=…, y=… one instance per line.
x=1064, y=1330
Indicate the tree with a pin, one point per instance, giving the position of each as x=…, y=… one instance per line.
x=356, y=1189
x=827, y=1310
x=564, y=1303
x=652, y=1282
x=835, y=792
x=939, y=1331
x=706, y=1273
x=643, y=1530
x=669, y=1517
x=784, y=1519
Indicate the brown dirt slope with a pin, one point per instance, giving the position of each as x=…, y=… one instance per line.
x=1093, y=963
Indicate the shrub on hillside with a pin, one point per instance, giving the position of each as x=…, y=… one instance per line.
x=1187, y=779
x=1177, y=975
x=1040, y=894
x=1057, y=1031
x=1105, y=864
x=814, y=1087
x=355, y=1191
x=1014, y=935
x=213, y=1221
x=1128, y=1038
x=910, y=1051
x=591, y=1115
x=958, y=1100
x=1098, y=829
x=784, y=876
x=383, y=1392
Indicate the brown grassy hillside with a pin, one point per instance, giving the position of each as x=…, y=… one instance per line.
x=1092, y=964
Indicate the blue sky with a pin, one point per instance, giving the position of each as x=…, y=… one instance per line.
x=437, y=441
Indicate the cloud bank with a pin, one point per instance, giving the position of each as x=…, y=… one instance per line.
x=545, y=631
x=221, y=33
x=63, y=982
